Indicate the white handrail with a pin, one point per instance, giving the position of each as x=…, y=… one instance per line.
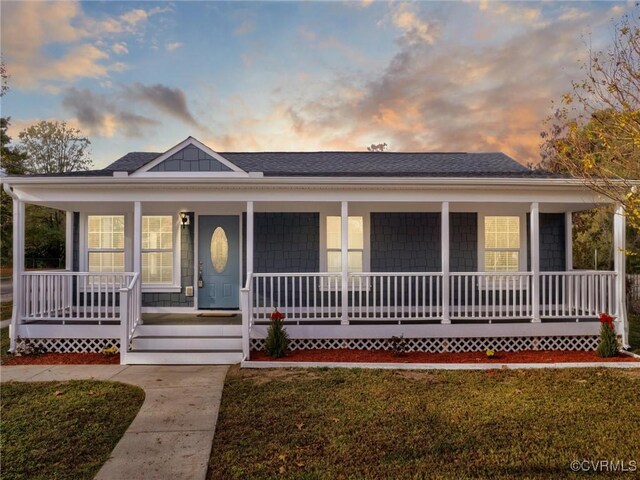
x=246, y=304
x=129, y=314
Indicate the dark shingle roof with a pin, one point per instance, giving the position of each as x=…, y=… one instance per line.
x=349, y=164
x=357, y=164
x=376, y=164
x=132, y=161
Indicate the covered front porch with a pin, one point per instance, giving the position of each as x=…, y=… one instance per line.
x=350, y=273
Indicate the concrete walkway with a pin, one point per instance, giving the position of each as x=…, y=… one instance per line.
x=172, y=434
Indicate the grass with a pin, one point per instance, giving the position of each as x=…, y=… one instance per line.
x=5, y=310
x=63, y=430
x=5, y=313
x=634, y=332
x=4, y=343
x=338, y=423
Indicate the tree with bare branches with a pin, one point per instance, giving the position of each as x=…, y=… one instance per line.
x=595, y=133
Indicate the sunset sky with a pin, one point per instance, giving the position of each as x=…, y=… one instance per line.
x=423, y=76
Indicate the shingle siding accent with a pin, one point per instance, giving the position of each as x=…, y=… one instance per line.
x=463, y=238
x=405, y=242
x=285, y=242
x=190, y=159
x=186, y=273
x=552, y=242
x=75, y=261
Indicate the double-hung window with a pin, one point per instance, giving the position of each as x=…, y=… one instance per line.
x=157, y=250
x=501, y=243
x=355, y=247
x=105, y=241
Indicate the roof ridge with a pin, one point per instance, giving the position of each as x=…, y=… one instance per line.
x=359, y=151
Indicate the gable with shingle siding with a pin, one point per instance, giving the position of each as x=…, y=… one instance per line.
x=190, y=159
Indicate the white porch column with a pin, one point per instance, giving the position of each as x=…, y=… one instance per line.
x=444, y=248
x=249, y=238
x=568, y=240
x=68, y=242
x=18, y=268
x=344, y=247
x=619, y=260
x=246, y=299
x=137, y=248
x=535, y=261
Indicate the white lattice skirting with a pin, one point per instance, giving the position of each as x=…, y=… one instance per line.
x=75, y=345
x=438, y=345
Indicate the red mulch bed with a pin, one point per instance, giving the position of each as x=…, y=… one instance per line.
x=382, y=356
x=63, y=359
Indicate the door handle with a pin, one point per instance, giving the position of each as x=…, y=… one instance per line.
x=200, y=281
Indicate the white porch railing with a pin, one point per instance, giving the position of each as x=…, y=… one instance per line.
x=68, y=297
x=130, y=303
x=299, y=296
x=577, y=294
x=385, y=296
x=307, y=298
x=489, y=296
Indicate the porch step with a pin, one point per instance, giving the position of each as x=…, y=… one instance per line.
x=183, y=357
x=173, y=343
x=188, y=330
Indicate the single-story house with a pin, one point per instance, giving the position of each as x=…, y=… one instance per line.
x=181, y=256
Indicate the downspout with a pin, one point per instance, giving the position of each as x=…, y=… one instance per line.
x=15, y=295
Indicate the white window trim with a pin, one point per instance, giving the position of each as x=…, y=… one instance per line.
x=522, y=257
x=83, y=247
x=175, y=286
x=366, y=250
x=83, y=264
x=366, y=263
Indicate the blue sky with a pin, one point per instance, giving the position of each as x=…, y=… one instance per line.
x=420, y=76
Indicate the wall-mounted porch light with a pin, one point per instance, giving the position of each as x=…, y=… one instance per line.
x=184, y=219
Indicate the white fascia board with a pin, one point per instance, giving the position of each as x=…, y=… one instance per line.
x=188, y=141
x=177, y=193
x=253, y=179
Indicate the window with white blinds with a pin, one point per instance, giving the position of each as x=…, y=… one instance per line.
x=105, y=241
x=501, y=243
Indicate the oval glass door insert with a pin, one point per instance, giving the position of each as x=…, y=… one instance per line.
x=219, y=250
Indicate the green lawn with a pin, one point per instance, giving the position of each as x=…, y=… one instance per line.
x=5, y=310
x=53, y=430
x=634, y=333
x=334, y=424
x=4, y=343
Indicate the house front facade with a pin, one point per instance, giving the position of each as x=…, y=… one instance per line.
x=181, y=256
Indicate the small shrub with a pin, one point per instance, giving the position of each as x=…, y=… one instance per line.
x=398, y=345
x=26, y=346
x=277, y=341
x=608, y=346
x=491, y=353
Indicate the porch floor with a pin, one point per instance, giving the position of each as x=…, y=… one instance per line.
x=190, y=319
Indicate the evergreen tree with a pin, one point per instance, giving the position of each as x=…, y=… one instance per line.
x=277, y=341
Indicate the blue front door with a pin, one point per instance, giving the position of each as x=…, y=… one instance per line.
x=219, y=261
